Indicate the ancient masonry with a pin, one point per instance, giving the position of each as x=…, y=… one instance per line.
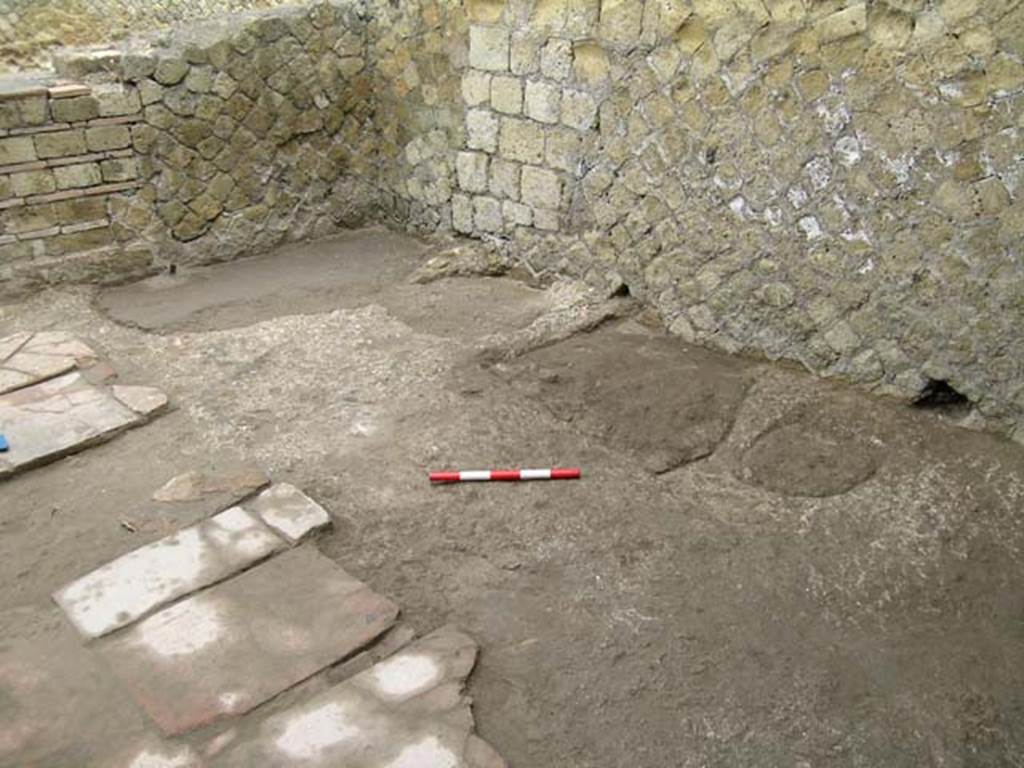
x=835, y=183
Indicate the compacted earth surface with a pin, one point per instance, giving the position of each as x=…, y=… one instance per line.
x=758, y=568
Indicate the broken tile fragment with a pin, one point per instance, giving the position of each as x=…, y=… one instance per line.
x=288, y=618
x=143, y=400
x=289, y=511
x=133, y=585
x=27, y=358
x=408, y=711
x=53, y=418
x=192, y=486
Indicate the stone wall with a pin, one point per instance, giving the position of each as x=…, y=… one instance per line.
x=31, y=29
x=836, y=183
x=219, y=140
x=66, y=164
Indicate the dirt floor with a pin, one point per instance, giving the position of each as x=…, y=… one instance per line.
x=758, y=569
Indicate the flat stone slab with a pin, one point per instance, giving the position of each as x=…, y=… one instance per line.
x=232, y=647
x=128, y=588
x=28, y=358
x=46, y=421
x=290, y=512
x=60, y=706
x=408, y=711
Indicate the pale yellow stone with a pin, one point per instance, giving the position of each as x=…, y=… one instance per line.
x=486, y=11
x=786, y=11
x=692, y=35
x=842, y=24
x=621, y=20
x=590, y=63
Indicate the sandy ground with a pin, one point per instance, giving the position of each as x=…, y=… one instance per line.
x=759, y=568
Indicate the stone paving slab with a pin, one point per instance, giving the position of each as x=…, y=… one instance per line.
x=136, y=583
x=27, y=358
x=51, y=419
x=408, y=711
x=59, y=705
x=225, y=650
x=290, y=512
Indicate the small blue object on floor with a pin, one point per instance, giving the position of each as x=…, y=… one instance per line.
x=3, y=444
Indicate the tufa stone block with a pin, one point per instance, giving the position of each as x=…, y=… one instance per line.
x=487, y=214
x=476, y=88
x=489, y=48
x=541, y=188
x=117, y=101
x=516, y=214
x=33, y=183
x=77, y=176
x=75, y=110
x=119, y=169
x=504, y=179
x=482, y=130
x=579, y=110
x=507, y=95
x=471, y=170
x=524, y=54
x=60, y=144
x=521, y=140
x=556, y=59
x=543, y=101
x=17, y=149
x=103, y=138
x=171, y=71
x=462, y=214
x=842, y=24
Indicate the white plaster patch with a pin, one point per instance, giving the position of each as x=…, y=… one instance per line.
x=309, y=734
x=230, y=700
x=738, y=206
x=183, y=758
x=899, y=167
x=797, y=197
x=950, y=90
x=819, y=171
x=428, y=753
x=123, y=590
x=405, y=675
x=835, y=119
x=163, y=635
x=848, y=151
x=810, y=227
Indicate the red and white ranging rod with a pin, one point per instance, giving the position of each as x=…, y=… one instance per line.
x=505, y=475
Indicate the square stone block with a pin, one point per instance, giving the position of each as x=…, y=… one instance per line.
x=489, y=48
x=290, y=512
x=541, y=188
